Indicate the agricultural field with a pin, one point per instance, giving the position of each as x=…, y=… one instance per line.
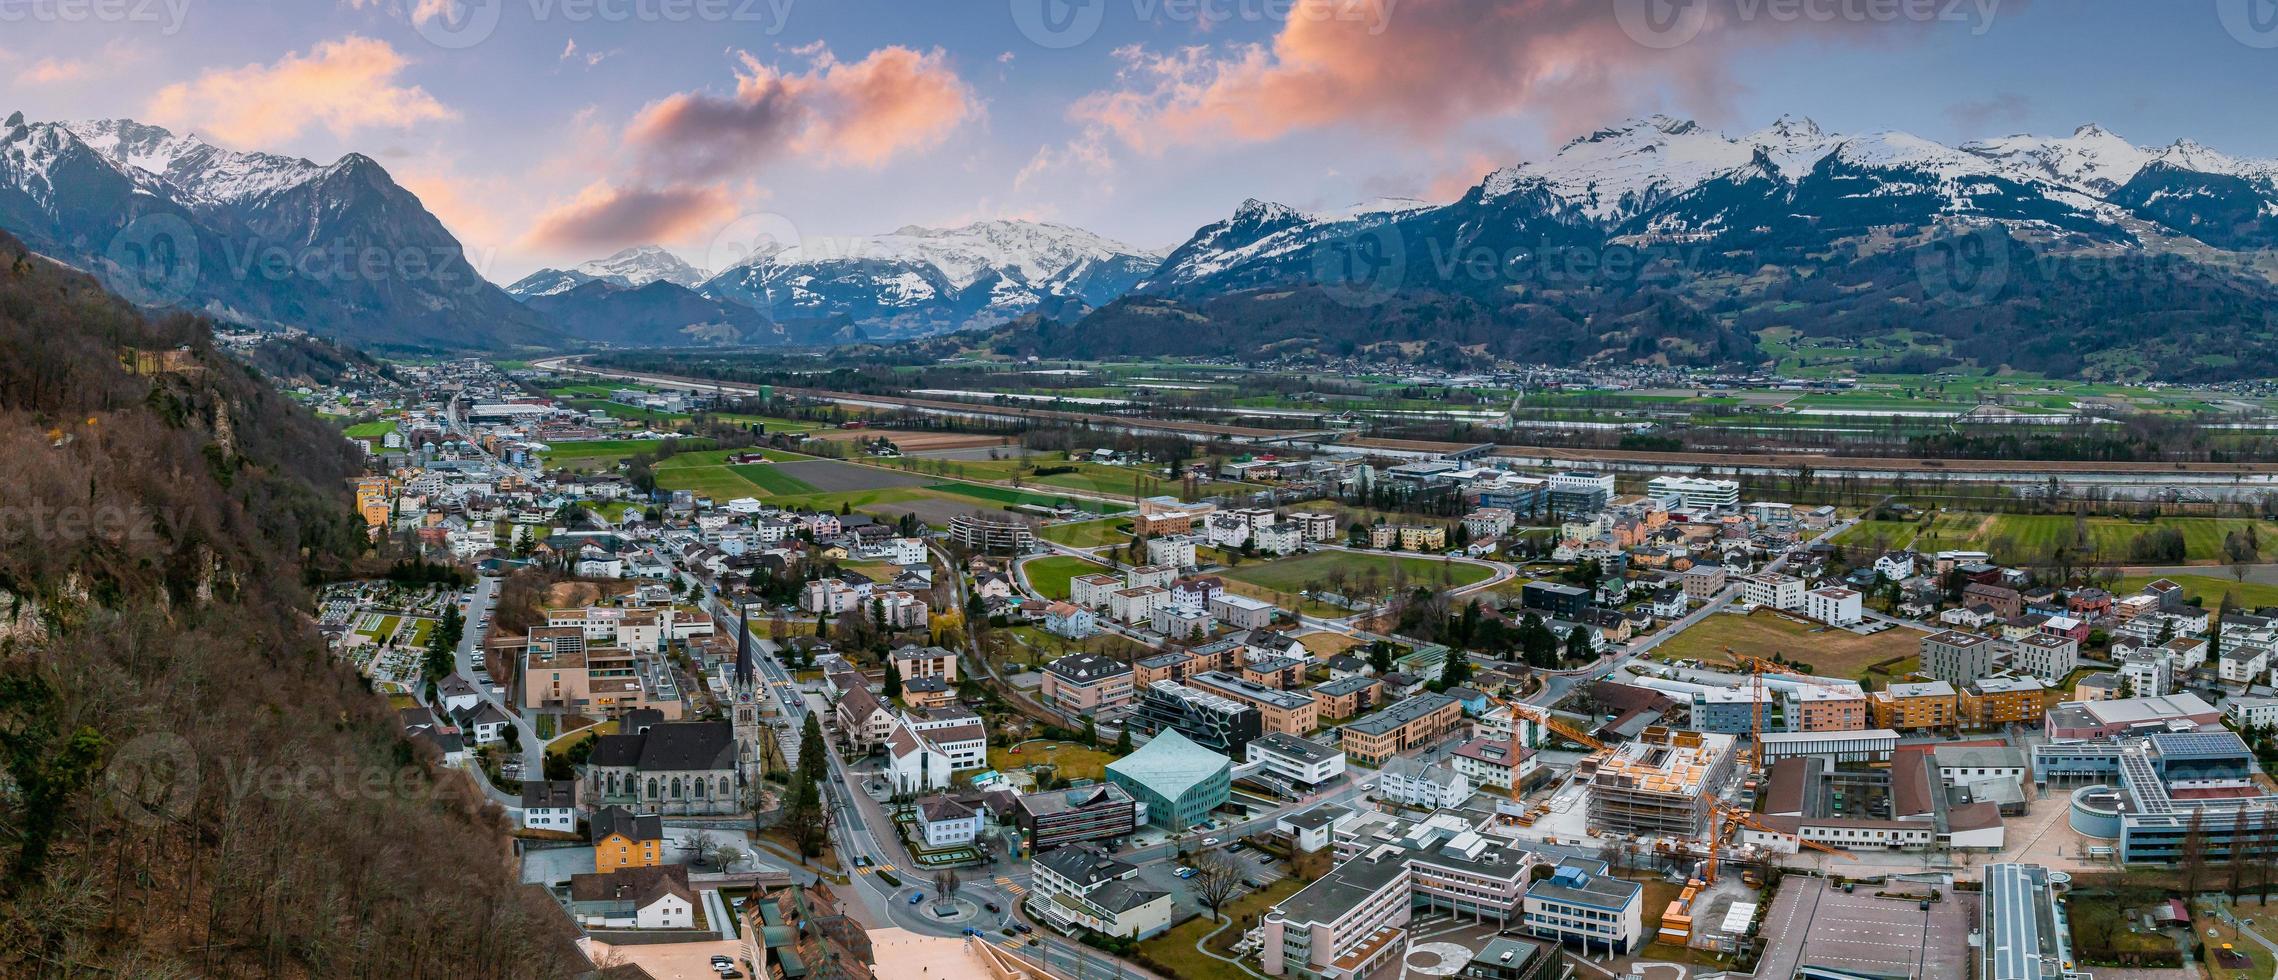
x=1830, y=652
x=1106, y=532
x=598, y=451
x=1050, y=576
x=774, y=478
x=2021, y=537
x=1006, y=496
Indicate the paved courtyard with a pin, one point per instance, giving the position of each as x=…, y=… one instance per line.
x=1813, y=923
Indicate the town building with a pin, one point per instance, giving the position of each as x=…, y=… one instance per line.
x=1658, y=784
x=1079, y=887
x=1404, y=725
x=1299, y=762
x=1288, y=712
x=1177, y=781
x=1218, y=723
x=1057, y=818
x=1085, y=683
x=1957, y=658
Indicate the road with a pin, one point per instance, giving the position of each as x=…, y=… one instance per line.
x=533, y=749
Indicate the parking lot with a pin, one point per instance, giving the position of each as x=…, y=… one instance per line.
x=1812, y=923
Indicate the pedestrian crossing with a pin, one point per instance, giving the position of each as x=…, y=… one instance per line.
x=1005, y=882
x=874, y=869
x=1012, y=944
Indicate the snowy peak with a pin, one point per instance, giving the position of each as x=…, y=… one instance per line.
x=204, y=172
x=2092, y=159
x=1027, y=251
x=644, y=264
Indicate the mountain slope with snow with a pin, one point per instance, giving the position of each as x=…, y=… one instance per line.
x=927, y=280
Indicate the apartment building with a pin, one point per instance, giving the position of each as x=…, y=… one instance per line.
x=915, y=661
x=1693, y=493
x=1094, y=592
x=1993, y=701
x=2047, y=656
x=1079, y=887
x=1957, y=658
x=1086, y=683
x=1138, y=605
x=1288, y=712
x=1834, y=606
x=1916, y=706
x=1703, y=581
x=1582, y=904
x=1772, y=590
x=1412, y=723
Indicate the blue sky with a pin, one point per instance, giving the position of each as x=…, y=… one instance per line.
x=574, y=127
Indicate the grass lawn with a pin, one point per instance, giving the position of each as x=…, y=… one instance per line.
x=626, y=412
x=2209, y=589
x=1292, y=575
x=1071, y=760
x=1173, y=952
x=1830, y=652
x=2215, y=932
x=1050, y=576
x=1089, y=534
x=1326, y=645
x=371, y=430
x=856, y=499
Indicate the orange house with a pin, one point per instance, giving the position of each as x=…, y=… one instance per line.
x=622, y=839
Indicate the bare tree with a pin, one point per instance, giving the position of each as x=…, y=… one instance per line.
x=2194, y=857
x=1214, y=882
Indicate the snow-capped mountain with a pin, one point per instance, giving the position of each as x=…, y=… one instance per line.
x=1660, y=180
x=928, y=280
x=262, y=239
x=631, y=268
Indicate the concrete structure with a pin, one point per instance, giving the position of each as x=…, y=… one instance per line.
x=1694, y=493
x=1178, y=781
x=981, y=534
x=1873, y=745
x=1080, y=887
x=2083, y=720
x=1582, y=904
x=1220, y=724
x=1658, y=784
x=1772, y=590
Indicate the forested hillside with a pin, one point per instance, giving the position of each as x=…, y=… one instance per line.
x=189, y=784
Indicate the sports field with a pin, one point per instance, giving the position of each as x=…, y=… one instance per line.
x=1089, y=534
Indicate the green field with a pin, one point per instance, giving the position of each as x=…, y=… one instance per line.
x=371, y=430
x=768, y=477
x=1089, y=534
x=1312, y=571
x=1050, y=576
x=1007, y=496
x=2021, y=537
x=2210, y=589
x=598, y=450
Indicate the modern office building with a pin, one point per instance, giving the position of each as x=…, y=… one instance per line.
x=1694, y=493
x=1288, y=712
x=1582, y=904
x=1412, y=723
x=1217, y=723
x=1178, y=781
x=1298, y=761
x=2157, y=796
x=1058, y=818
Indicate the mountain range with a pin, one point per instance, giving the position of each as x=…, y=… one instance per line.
x=1658, y=239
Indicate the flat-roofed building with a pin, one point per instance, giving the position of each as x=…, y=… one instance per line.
x=1582, y=904
x=1957, y=658
x=2025, y=932
x=1220, y=724
x=1086, y=683
x=1401, y=726
x=1289, y=712
x=1989, y=702
x=1057, y=818
x=1300, y=761
x=1658, y=784
x=1917, y=705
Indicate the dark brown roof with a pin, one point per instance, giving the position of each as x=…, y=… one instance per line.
x=639, y=886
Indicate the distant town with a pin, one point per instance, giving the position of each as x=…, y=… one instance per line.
x=772, y=680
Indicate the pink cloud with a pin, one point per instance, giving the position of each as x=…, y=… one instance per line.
x=836, y=112
x=345, y=86
x=1422, y=68
x=604, y=216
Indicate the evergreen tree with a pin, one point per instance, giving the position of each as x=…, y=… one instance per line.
x=1578, y=646
x=893, y=679
x=1457, y=670
x=1380, y=657
x=1123, y=740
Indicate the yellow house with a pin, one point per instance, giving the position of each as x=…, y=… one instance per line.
x=1418, y=537
x=622, y=839
x=1928, y=704
x=1382, y=535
